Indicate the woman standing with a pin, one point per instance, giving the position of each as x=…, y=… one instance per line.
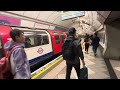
x=87, y=43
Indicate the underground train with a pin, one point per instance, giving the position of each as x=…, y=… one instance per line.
x=40, y=44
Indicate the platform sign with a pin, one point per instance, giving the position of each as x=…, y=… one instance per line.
x=40, y=50
x=43, y=26
x=8, y=20
x=26, y=23
x=72, y=14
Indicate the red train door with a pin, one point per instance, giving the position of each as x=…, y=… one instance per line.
x=56, y=43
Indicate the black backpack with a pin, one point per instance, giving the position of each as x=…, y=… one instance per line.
x=68, y=52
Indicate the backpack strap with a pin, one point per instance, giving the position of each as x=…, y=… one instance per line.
x=9, y=53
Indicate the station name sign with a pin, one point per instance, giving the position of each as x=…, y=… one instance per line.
x=71, y=14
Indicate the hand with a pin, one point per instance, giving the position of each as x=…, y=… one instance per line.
x=83, y=62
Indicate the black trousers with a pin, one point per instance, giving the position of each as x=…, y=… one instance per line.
x=95, y=49
x=69, y=68
x=87, y=46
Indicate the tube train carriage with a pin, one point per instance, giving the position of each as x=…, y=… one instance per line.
x=40, y=44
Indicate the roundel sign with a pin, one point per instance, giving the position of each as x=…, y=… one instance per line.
x=40, y=51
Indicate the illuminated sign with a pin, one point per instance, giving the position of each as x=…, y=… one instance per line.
x=43, y=26
x=7, y=20
x=72, y=14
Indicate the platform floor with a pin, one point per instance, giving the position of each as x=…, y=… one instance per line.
x=96, y=68
x=116, y=67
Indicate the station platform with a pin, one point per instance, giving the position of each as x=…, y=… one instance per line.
x=97, y=68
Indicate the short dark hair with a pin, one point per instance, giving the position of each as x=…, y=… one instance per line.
x=14, y=33
x=72, y=31
x=95, y=33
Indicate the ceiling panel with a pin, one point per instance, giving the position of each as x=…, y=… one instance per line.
x=53, y=16
x=32, y=14
x=44, y=15
x=18, y=12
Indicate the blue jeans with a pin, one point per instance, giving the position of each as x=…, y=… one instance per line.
x=94, y=49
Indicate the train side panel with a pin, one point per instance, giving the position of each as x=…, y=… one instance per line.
x=36, y=53
x=39, y=51
x=4, y=33
x=4, y=37
x=57, y=40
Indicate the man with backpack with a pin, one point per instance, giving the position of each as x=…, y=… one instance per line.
x=71, y=51
x=20, y=68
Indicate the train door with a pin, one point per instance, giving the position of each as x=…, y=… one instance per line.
x=1, y=48
x=56, y=42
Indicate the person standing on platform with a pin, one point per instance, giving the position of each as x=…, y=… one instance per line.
x=20, y=67
x=87, y=43
x=71, y=51
x=95, y=43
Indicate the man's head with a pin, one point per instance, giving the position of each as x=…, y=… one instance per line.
x=95, y=34
x=17, y=36
x=72, y=31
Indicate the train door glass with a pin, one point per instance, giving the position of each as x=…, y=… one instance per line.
x=57, y=38
x=45, y=39
x=1, y=48
x=62, y=38
x=29, y=39
x=41, y=38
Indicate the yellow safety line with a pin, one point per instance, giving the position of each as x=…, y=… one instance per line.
x=35, y=76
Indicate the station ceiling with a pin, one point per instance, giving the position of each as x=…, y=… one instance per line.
x=53, y=17
x=94, y=18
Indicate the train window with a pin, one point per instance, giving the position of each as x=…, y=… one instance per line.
x=62, y=38
x=41, y=39
x=38, y=40
x=29, y=39
x=57, y=38
x=45, y=39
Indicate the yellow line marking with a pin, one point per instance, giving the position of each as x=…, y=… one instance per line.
x=35, y=76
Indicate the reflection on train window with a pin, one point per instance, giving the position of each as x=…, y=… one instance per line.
x=29, y=39
x=41, y=39
x=57, y=38
x=62, y=38
x=29, y=42
x=45, y=40
x=36, y=39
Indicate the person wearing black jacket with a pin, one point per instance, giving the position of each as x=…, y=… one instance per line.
x=78, y=53
x=95, y=43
